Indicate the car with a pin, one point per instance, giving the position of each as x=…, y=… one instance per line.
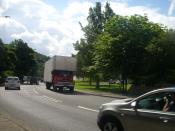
x=144, y=113
x=34, y=81
x=111, y=81
x=12, y=82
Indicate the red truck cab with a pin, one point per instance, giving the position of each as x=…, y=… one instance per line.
x=62, y=79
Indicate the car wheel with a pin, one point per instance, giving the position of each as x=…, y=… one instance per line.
x=19, y=88
x=6, y=88
x=110, y=125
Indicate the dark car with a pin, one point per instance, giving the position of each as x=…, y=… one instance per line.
x=34, y=81
x=153, y=111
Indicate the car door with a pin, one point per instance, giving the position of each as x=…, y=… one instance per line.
x=148, y=115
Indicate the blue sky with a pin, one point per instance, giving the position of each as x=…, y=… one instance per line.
x=52, y=26
x=163, y=5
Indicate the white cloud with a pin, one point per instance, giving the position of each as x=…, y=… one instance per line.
x=51, y=31
x=46, y=29
x=172, y=7
x=122, y=8
x=8, y=27
x=77, y=9
x=3, y=5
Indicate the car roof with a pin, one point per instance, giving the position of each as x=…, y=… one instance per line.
x=12, y=77
x=168, y=89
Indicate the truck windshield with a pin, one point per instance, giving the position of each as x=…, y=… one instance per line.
x=63, y=76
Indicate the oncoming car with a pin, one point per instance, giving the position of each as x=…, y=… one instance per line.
x=12, y=82
x=153, y=111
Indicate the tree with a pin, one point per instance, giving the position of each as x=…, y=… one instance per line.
x=121, y=49
x=26, y=60
x=40, y=59
x=108, y=13
x=18, y=59
x=85, y=47
x=10, y=60
x=7, y=59
x=161, y=59
x=2, y=56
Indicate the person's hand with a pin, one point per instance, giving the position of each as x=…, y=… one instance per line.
x=165, y=99
x=166, y=108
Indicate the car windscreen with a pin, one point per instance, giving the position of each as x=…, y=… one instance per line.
x=14, y=79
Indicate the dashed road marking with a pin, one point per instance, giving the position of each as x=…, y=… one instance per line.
x=36, y=92
x=89, y=109
x=52, y=99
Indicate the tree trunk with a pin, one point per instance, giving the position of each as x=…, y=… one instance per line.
x=126, y=83
x=97, y=83
x=90, y=80
x=123, y=86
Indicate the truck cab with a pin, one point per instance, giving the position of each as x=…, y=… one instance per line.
x=62, y=79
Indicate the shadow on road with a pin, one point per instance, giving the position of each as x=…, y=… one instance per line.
x=67, y=92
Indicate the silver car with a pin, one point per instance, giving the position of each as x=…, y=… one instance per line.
x=153, y=111
x=12, y=82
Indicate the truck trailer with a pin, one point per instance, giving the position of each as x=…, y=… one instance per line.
x=59, y=72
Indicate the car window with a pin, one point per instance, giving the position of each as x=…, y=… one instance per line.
x=154, y=102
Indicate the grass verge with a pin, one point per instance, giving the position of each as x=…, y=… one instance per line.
x=104, y=87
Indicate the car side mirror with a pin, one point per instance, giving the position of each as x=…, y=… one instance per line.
x=133, y=105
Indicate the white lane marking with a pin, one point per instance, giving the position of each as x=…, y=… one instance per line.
x=36, y=92
x=81, y=107
x=52, y=99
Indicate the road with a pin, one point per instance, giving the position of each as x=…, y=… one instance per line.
x=36, y=109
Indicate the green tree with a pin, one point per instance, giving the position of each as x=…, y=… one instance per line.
x=40, y=59
x=123, y=46
x=108, y=13
x=26, y=60
x=85, y=47
x=2, y=56
x=10, y=60
x=161, y=59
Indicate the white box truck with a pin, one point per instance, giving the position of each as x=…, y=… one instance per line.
x=59, y=72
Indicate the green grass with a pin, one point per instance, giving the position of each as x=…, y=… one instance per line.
x=104, y=87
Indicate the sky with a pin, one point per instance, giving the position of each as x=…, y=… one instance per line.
x=51, y=27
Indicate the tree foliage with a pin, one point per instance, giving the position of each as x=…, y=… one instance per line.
x=2, y=50
x=126, y=47
x=136, y=49
x=85, y=47
x=18, y=59
x=26, y=60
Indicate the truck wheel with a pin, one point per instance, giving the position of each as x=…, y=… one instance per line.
x=61, y=89
x=54, y=88
x=48, y=85
x=71, y=89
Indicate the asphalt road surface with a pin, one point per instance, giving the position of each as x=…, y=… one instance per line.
x=36, y=109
